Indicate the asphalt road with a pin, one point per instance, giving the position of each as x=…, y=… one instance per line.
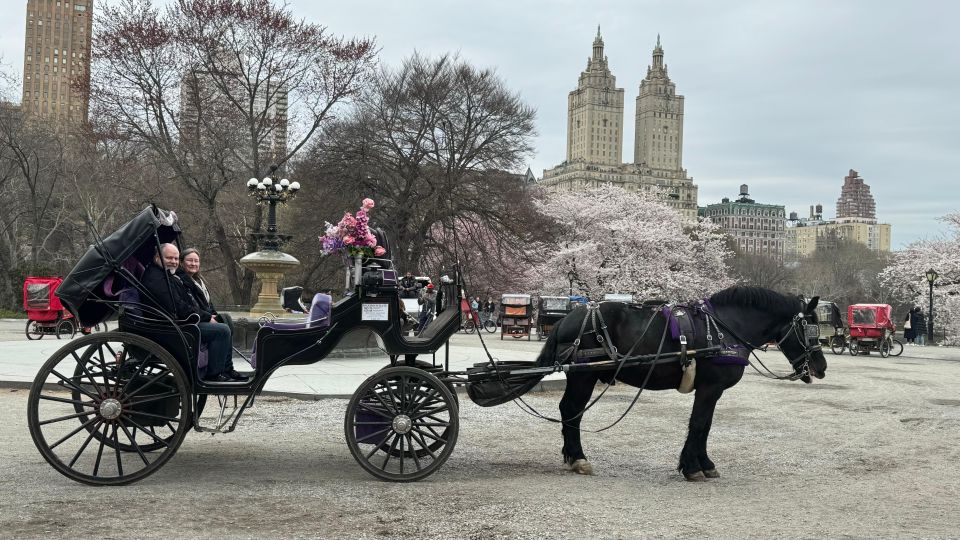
x=868, y=452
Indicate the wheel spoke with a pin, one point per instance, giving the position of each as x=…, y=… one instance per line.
x=413, y=452
x=96, y=465
x=148, y=383
x=387, y=406
x=136, y=374
x=84, y=445
x=151, y=433
x=152, y=398
x=135, y=445
x=83, y=365
x=379, y=444
x=377, y=412
x=62, y=418
x=116, y=448
x=374, y=434
x=70, y=401
x=72, y=433
x=72, y=384
x=388, y=454
x=430, y=435
x=423, y=443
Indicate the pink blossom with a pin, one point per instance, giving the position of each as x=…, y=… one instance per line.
x=379, y=251
x=368, y=204
x=370, y=240
x=349, y=240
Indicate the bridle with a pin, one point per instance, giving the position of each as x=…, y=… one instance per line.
x=806, y=334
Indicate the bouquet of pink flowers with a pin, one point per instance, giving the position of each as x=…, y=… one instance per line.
x=352, y=235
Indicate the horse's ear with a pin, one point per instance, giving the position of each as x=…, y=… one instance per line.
x=812, y=305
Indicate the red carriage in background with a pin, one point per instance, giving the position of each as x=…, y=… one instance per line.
x=45, y=314
x=872, y=329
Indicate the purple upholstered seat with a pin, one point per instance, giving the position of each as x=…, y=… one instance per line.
x=319, y=318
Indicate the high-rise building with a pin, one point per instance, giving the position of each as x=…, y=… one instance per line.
x=208, y=115
x=754, y=227
x=855, y=200
x=856, y=221
x=595, y=118
x=659, y=118
x=595, y=136
x=57, y=54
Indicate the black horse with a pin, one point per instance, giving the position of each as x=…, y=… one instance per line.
x=739, y=317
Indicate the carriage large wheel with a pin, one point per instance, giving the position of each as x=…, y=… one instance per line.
x=34, y=330
x=401, y=424
x=109, y=409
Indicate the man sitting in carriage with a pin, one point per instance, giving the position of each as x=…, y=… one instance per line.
x=173, y=297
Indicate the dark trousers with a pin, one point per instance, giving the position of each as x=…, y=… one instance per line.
x=219, y=347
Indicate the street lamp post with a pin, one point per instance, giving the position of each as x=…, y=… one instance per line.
x=273, y=193
x=932, y=276
x=571, y=275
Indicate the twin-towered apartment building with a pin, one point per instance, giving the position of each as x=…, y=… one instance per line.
x=595, y=119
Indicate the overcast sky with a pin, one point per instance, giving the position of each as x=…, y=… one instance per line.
x=783, y=96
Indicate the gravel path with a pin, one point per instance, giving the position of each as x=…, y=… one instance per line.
x=868, y=452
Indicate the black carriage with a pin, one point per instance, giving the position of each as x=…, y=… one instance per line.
x=830, y=321
x=551, y=310
x=111, y=408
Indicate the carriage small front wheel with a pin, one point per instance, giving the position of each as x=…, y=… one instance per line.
x=109, y=409
x=402, y=424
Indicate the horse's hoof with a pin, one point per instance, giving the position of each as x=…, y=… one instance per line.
x=581, y=466
x=711, y=473
x=695, y=477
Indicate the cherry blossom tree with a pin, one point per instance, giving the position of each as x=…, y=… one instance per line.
x=614, y=240
x=906, y=276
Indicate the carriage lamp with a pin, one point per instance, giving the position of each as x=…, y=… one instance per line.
x=932, y=276
x=571, y=275
x=272, y=192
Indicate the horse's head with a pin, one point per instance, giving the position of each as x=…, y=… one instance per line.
x=799, y=340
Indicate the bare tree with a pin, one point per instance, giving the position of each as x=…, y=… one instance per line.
x=438, y=143
x=214, y=92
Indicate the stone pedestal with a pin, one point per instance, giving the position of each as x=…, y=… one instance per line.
x=269, y=267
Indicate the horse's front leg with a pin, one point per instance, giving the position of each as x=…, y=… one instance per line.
x=575, y=398
x=694, y=463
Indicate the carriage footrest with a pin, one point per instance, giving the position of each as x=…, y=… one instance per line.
x=488, y=385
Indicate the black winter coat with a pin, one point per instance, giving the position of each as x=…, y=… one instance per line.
x=197, y=294
x=179, y=306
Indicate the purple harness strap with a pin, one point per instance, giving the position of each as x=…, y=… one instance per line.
x=732, y=355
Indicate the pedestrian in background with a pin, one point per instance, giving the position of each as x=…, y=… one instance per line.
x=909, y=334
x=488, y=308
x=919, y=324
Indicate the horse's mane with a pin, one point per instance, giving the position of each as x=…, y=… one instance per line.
x=758, y=297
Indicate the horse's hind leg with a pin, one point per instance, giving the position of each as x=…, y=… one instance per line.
x=694, y=463
x=575, y=398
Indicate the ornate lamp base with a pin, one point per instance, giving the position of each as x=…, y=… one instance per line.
x=269, y=267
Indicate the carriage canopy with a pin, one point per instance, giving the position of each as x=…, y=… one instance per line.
x=869, y=316
x=134, y=242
